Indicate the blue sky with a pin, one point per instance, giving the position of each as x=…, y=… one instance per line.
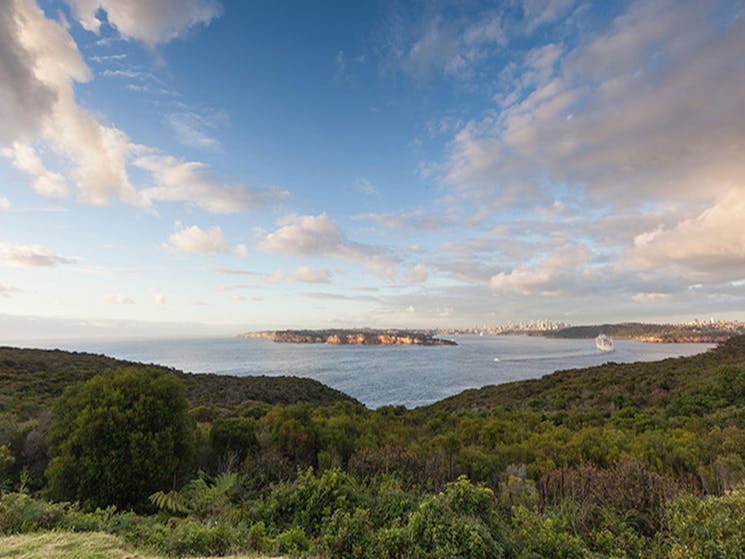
x=195, y=166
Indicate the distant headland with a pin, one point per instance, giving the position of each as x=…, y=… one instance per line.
x=350, y=337
x=695, y=331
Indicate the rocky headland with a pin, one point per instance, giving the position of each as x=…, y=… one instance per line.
x=351, y=337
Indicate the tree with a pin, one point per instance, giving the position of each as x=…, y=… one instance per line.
x=118, y=438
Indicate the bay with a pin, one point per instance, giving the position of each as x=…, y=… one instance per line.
x=385, y=375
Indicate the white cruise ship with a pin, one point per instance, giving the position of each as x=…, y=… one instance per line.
x=604, y=343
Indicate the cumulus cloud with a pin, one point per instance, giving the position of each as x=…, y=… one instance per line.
x=193, y=182
x=30, y=256
x=650, y=108
x=45, y=182
x=309, y=235
x=4, y=203
x=118, y=299
x=710, y=246
x=148, y=21
x=39, y=65
x=195, y=240
x=310, y=275
x=26, y=100
x=554, y=274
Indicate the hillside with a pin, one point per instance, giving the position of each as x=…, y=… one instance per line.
x=637, y=460
x=655, y=333
x=598, y=391
x=31, y=378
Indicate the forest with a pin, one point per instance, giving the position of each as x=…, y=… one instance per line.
x=620, y=460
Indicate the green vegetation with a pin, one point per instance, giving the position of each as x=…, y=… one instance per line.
x=132, y=417
x=643, y=460
x=701, y=332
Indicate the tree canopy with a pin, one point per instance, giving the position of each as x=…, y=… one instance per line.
x=118, y=438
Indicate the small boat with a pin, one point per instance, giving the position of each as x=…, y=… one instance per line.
x=604, y=343
x=497, y=359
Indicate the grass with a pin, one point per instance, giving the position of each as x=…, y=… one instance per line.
x=75, y=545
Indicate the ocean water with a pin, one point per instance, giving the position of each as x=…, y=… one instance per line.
x=386, y=375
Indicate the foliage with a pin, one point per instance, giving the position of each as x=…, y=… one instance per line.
x=711, y=527
x=616, y=461
x=19, y=514
x=459, y=522
x=310, y=499
x=119, y=437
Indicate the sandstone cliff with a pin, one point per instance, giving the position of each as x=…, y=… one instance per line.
x=351, y=337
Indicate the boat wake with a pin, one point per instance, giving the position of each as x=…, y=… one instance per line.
x=588, y=353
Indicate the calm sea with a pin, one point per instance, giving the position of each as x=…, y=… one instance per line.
x=381, y=375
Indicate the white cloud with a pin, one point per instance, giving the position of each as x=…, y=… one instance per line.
x=191, y=181
x=554, y=274
x=151, y=22
x=708, y=247
x=650, y=298
x=4, y=203
x=418, y=274
x=193, y=129
x=195, y=240
x=46, y=183
x=39, y=65
x=649, y=109
x=118, y=299
x=310, y=275
x=309, y=235
x=541, y=12
x=30, y=256
x=364, y=186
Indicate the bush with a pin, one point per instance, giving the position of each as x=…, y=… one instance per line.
x=118, y=438
x=349, y=536
x=293, y=541
x=234, y=437
x=182, y=537
x=310, y=500
x=460, y=522
x=708, y=526
x=20, y=513
x=548, y=535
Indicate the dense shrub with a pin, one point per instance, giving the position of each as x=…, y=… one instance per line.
x=349, y=536
x=119, y=437
x=20, y=513
x=709, y=527
x=309, y=500
x=232, y=439
x=459, y=522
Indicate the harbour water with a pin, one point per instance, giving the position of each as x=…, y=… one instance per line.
x=386, y=375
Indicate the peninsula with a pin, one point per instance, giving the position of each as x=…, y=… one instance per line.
x=350, y=337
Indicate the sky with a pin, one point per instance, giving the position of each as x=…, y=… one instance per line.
x=188, y=167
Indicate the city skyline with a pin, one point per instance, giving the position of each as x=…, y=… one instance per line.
x=195, y=167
